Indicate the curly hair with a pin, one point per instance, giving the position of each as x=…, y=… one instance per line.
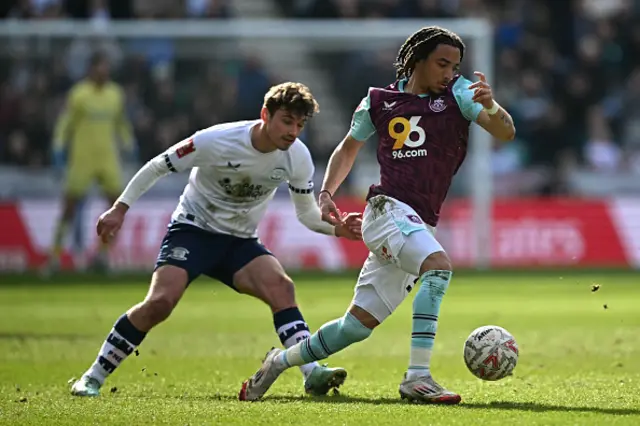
x=419, y=46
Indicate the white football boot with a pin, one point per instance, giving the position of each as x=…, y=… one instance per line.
x=86, y=386
x=424, y=389
x=258, y=384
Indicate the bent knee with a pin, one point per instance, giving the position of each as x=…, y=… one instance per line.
x=364, y=317
x=167, y=286
x=282, y=293
x=438, y=261
x=353, y=329
x=277, y=291
x=157, y=308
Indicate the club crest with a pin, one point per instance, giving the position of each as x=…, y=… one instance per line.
x=437, y=105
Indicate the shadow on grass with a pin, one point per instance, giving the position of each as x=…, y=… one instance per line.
x=494, y=405
x=21, y=337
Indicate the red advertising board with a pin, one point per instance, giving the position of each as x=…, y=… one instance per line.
x=544, y=232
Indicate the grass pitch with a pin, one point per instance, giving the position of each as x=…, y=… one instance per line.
x=578, y=362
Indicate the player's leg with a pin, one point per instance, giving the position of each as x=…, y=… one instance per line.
x=78, y=181
x=110, y=182
x=367, y=310
x=422, y=255
x=182, y=258
x=394, y=232
x=254, y=271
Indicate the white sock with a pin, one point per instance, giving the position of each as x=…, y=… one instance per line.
x=114, y=350
x=420, y=359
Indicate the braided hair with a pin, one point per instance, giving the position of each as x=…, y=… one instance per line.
x=419, y=46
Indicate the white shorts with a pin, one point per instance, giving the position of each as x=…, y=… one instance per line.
x=398, y=241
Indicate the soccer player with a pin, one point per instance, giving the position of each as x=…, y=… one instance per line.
x=422, y=122
x=235, y=171
x=85, y=141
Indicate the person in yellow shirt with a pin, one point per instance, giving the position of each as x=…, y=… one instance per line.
x=85, y=145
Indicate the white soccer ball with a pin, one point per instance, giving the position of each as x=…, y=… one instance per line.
x=490, y=353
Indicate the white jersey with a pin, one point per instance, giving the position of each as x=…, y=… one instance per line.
x=231, y=183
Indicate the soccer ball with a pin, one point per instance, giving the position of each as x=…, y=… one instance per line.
x=490, y=353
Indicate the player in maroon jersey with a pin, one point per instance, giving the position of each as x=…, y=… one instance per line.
x=422, y=122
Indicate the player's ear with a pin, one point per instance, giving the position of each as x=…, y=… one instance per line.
x=264, y=114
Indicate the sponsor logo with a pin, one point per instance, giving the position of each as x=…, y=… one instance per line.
x=408, y=136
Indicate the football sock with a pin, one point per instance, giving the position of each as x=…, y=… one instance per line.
x=330, y=338
x=426, y=307
x=120, y=343
x=292, y=328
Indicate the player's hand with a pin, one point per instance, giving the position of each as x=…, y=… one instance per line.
x=58, y=159
x=482, y=92
x=350, y=226
x=110, y=222
x=330, y=212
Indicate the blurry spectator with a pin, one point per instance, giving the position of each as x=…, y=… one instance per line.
x=20, y=9
x=81, y=49
x=18, y=151
x=631, y=110
x=252, y=83
x=566, y=69
x=601, y=152
x=208, y=9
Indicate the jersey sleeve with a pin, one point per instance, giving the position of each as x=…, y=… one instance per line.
x=195, y=151
x=301, y=181
x=362, y=127
x=122, y=123
x=66, y=121
x=464, y=96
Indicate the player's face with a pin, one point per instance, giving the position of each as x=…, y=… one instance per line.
x=435, y=72
x=101, y=70
x=283, y=128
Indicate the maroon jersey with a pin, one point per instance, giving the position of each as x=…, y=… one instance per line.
x=422, y=142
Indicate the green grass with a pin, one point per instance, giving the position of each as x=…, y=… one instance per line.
x=578, y=362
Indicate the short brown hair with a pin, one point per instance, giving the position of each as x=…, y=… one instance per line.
x=295, y=98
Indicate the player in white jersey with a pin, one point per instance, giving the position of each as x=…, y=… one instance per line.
x=235, y=171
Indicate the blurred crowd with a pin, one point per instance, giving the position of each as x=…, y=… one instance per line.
x=566, y=70
x=114, y=9
x=168, y=97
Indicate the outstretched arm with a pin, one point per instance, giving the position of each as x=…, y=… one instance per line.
x=180, y=157
x=309, y=215
x=340, y=164
x=342, y=159
x=142, y=181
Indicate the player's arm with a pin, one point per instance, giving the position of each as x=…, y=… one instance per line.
x=123, y=126
x=477, y=104
x=180, y=157
x=340, y=164
x=67, y=121
x=343, y=158
x=307, y=210
x=498, y=122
